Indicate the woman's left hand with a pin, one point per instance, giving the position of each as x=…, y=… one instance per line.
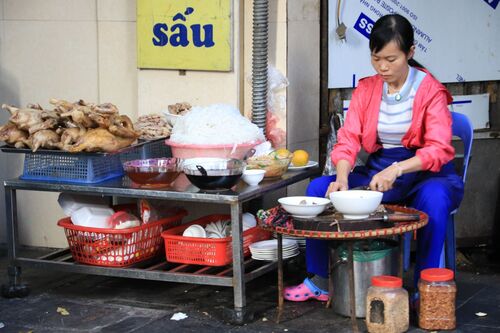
x=384, y=180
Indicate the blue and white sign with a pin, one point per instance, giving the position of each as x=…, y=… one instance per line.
x=457, y=40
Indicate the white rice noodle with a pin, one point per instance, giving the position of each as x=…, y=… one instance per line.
x=215, y=124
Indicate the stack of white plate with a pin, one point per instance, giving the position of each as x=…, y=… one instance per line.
x=268, y=249
x=300, y=240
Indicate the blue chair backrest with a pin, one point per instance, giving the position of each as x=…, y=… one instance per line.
x=462, y=128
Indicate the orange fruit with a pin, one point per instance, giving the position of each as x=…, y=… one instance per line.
x=300, y=158
x=282, y=152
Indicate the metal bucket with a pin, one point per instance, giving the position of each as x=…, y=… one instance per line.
x=367, y=263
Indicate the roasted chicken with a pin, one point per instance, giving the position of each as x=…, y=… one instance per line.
x=100, y=139
x=73, y=127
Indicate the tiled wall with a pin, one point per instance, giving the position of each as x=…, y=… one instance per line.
x=303, y=73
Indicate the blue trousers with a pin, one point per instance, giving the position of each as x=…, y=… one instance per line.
x=435, y=193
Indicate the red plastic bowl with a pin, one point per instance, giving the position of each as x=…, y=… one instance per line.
x=185, y=150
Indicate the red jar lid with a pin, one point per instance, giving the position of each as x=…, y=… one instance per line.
x=387, y=281
x=437, y=274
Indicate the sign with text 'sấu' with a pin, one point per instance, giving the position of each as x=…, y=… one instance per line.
x=184, y=34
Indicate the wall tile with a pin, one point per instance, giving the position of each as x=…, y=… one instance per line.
x=303, y=73
x=116, y=10
x=118, y=66
x=54, y=10
x=40, y=60
x=45, y=60
x=277, y=11
x=1, y=9
x=303, y=10
x=38, y=222
x=159, y=88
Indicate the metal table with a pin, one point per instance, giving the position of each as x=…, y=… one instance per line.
x=234, y=276
x=399, y=229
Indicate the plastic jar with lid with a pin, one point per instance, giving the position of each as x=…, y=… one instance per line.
x=387, y=308
x=437, y=299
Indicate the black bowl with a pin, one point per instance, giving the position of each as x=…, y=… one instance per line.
x=213, y=173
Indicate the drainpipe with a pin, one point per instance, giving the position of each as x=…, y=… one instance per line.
x=259, y=62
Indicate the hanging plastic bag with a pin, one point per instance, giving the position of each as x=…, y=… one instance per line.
x=276, y=105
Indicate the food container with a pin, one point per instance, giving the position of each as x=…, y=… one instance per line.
x=71, y=202
x=187, y=150
x=356, y=204
x=92, y=216
x=206, y=251
x=155, y=171
x=302, y=206
x=437, y=299
x=387, y=308
x=275, y=165
x=253, y=177
x=213, y=173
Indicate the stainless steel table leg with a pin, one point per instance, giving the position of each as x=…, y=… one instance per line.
x=14, y=288
x=280, y=277
x=330, y=276
x=239, y=315
x=352, y=290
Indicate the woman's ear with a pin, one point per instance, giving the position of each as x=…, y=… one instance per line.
x=411, y=53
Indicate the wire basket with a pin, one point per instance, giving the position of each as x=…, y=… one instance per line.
x=71, y=168
x=207, y=251
x=118, y=247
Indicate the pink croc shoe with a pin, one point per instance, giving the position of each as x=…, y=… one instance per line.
x=305, y=291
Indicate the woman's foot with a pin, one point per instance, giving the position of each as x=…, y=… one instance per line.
x=304, y=291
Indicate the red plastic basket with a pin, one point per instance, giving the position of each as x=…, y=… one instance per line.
x=206, y=251
x=118, y=247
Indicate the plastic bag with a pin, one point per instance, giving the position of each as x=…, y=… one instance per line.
x=364, y=251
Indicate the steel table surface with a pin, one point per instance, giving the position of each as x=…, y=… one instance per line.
x=399, y=229
x=181, y=190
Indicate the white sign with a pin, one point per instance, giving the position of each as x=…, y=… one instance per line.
x=457, y=40
x=475, y=107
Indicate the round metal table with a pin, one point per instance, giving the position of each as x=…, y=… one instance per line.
x=399, y=229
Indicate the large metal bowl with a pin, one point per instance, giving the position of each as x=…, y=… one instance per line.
x=213, y=173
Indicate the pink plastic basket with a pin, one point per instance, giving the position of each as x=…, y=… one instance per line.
x=183, y=150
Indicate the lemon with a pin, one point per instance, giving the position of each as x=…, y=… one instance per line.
x=282, y=152
x=300, y=158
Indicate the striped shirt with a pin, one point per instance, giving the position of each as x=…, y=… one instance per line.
x=396, y=110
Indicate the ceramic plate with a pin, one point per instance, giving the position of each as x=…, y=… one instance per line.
x=309, y=164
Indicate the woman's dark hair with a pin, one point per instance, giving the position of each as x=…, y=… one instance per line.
x=393, y=27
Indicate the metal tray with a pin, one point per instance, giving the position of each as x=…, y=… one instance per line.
x=11, y=149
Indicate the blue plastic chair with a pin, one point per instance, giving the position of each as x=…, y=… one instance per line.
x=462, y=128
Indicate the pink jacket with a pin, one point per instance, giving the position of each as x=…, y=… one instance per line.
x=429, y=132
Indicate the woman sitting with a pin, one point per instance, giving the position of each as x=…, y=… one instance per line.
x=400, y=117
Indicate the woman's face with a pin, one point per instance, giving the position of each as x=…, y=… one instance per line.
x=391, y=63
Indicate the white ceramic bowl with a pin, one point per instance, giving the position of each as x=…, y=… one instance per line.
x=171, y=118
x=356, y=204
x=301, y=206
x=253, y=177
x=195, y=230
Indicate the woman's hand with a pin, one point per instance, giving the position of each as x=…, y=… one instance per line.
x=338, y=185
x=384, y=180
